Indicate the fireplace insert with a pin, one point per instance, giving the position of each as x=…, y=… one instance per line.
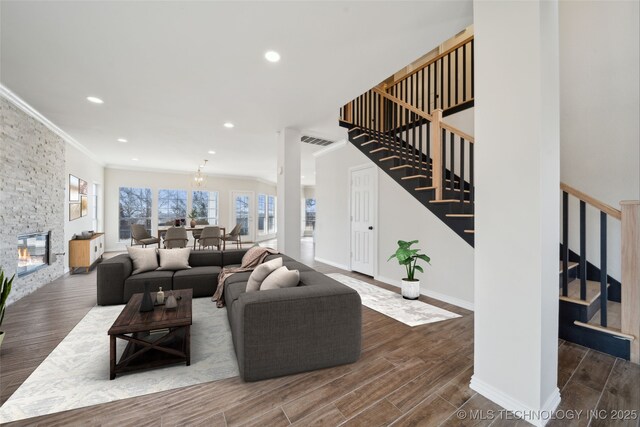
x=33, y=252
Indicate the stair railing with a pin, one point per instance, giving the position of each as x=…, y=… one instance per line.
x=407, y=133
x=457, y=147
x=444, y=82
x=630, y=254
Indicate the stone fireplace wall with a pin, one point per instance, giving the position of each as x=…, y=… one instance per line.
x=32, y=191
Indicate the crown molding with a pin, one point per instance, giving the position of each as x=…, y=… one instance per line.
x=187, y=173
x=21, y=104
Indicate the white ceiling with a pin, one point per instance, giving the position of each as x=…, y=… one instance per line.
x=171, y=73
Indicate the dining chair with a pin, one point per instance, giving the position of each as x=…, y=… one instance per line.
x=234, y=236
x=141, y=236
x=175, y=237
x=210, y=237
x=196, y=233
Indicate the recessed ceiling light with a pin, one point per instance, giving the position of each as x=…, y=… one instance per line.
x=135, y=159
x=211, y=152
x=122, y=140
x=95, y=100
x=229, y=125
x=272, y=56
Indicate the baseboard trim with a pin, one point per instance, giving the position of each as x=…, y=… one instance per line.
x=332, y=264
x=537, y=417
x=431, y=294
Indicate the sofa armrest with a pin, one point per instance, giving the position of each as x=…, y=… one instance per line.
x=111, y=276
x=285, y=331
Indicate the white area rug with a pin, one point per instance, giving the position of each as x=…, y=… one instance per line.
x=76, y=373
x=409, y=312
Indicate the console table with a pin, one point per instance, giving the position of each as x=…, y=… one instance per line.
x=83, y=253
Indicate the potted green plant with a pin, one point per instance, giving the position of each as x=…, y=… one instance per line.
x=409, y=257
x=5, y=289
x=193, y=215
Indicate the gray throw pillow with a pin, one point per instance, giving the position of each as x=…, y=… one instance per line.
x=261, y=272
x=144, y=259
x=281, y=278
x=174, y=259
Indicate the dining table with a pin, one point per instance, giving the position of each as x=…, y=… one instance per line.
x=163, y=228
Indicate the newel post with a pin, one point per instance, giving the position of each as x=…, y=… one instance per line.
x=436, y=153
x=630, y=260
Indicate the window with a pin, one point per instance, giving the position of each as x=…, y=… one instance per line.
x=172, y=205
x=135, y=208
x=94, y=209
x=271, y=215
x=205, y=204
x=262, y=213
x=309, y=216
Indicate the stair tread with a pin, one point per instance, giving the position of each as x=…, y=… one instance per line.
x=413, y=177
x=375, y=150
x=371, y=141
x=460, y=215
x=360, y=135
x=353, y=128
x=448, y=201
x=388, y=158
x=470, y=231
x=573, y=292
x=571, y=265
x=425, y=188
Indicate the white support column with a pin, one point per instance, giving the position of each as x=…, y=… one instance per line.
x=517, y=205
x=288, y=210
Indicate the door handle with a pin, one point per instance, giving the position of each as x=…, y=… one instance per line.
x=371, y=227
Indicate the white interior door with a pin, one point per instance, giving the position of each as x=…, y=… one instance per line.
x=363, y=219
x=242, y=212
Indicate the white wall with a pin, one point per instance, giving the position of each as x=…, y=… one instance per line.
x=400, y=217
x=599, y=110
x=87, y=169
x=516, y=205
x=116, y=178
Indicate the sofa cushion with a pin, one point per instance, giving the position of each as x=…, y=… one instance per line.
x=174, y=259
x=233, y=256
x=135, y=284
x=243, y=276
x=281, y=278
x=144, y=259
x=261, y=272
x=233, y=291
x=203, y=280
x=205, y=258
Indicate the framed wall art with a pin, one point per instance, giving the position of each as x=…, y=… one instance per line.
x=74, y=188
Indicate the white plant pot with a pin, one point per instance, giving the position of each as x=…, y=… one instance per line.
x=410, y=289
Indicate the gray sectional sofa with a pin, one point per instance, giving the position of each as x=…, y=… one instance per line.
x=276, y=332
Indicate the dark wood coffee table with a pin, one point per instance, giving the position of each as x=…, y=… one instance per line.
x=155, y=338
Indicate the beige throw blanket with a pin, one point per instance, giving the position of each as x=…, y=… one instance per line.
x=253, y=258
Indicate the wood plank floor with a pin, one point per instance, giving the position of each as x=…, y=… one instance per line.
x=406, y=376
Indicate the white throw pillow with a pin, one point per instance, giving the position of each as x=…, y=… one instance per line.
x=281, y=278
x=174, y=259
x=144, y=259
x=261, y=272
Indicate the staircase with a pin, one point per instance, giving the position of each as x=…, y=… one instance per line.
x=399, y=125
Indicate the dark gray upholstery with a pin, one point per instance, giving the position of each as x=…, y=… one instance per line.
x=203, y=280
x=314, y=325
x=286, y=331
x=111, y=275
x=116, y=284
x=233, y=256
x=135, y=284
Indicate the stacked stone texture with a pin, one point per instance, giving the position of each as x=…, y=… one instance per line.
x=32, y=192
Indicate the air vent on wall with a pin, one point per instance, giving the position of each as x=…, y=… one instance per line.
x=316, y=141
